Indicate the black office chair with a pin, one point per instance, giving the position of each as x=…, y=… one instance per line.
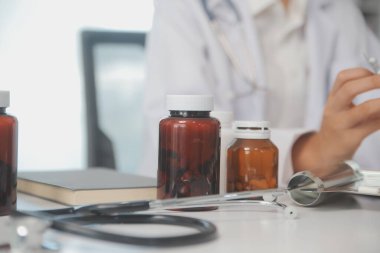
x=113, y=67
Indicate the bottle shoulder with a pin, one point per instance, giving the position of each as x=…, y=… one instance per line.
x=7, y=119
x=188, y=120
x=253, y=143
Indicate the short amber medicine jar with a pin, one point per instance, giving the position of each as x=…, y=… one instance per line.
x=252, y=159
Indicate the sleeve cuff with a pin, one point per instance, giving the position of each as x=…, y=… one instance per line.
x=284, y=140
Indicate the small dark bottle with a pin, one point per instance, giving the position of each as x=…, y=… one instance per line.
x=8, y=157
x=189, y=143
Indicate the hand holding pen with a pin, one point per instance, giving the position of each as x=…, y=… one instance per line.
x=344, y=124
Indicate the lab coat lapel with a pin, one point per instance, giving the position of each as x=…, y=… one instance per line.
x=241, y=35
x=321, y=40
x=252, y=40
x=251, y=57
x=253, y=45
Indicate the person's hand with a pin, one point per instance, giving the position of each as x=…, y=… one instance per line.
x=344, y=124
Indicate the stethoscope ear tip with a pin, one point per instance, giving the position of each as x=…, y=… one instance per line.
x=291, y=212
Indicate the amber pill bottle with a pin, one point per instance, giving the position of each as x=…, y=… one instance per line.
x=189, y=143
x=252, y=160
x=8, y=157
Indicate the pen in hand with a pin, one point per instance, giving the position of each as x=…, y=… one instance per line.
x=373, y=62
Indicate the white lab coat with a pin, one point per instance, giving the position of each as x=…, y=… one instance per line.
x=184, y=57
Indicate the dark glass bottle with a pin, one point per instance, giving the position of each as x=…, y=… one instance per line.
x=189, y=144
x=252, y=160
x=8, y=157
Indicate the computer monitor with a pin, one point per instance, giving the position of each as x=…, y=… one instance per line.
x=114, y=73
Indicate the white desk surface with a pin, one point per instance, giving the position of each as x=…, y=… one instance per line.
x=345, y=223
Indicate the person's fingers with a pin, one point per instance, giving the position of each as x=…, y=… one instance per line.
x=351, y=89
x=349, y=75
x=366, y=129
x=361, y=114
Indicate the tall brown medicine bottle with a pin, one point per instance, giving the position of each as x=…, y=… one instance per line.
x=252, y=160
x=189, y=144
x=8, y=157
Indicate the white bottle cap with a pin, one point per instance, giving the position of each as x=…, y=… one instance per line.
x=4, y=98
x=189, y=102
x=225, y=118
x=252, y=129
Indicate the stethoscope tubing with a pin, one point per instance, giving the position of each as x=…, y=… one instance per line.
x=205, y=230
x=80, y=221
x=211, y=16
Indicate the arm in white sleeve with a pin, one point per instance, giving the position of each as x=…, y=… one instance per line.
x=284, y=140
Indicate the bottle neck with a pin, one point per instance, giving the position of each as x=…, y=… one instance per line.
x=190, y=114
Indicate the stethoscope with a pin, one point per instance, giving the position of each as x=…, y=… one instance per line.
x=304, y=189
x=81, y=220
x=225, y=44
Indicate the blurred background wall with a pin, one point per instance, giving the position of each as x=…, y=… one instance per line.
x=40, y=64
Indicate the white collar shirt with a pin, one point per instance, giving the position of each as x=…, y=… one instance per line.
x=281, y=34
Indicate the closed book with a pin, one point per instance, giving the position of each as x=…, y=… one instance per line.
x=89, y=186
